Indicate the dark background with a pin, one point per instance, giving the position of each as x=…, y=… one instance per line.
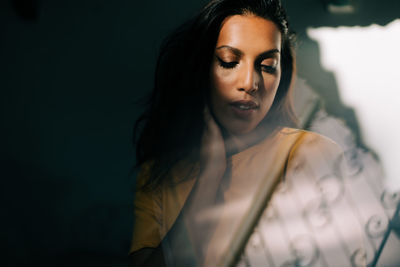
x=71, y=75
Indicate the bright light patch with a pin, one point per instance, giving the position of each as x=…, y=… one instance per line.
x=365, y=61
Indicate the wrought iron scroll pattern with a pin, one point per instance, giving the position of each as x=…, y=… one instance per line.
x=352, y=189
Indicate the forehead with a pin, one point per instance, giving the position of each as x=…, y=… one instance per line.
x=249, y=32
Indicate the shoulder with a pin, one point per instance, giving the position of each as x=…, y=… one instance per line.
x=308, y=135
x=309, y=140
x=313, y=152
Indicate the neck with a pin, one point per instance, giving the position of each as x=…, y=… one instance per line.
x=237, y=143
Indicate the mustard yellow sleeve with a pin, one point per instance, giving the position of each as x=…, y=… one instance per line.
x=147, y=214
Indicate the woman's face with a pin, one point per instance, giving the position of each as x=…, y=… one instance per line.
x=245, y=72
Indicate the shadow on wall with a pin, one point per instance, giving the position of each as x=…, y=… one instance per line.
x=324, y=83
x=303, y=15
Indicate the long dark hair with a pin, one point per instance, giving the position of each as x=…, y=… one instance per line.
x=171, y=127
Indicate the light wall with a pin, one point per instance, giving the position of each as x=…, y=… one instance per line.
x=365, y=62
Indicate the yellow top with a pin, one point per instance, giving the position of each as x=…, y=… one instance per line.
x=156, y=211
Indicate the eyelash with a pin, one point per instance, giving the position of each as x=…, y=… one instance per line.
x=231, y=65
x=268, y=69
x=227, y=65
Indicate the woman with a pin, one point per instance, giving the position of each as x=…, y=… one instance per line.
x=214, y=132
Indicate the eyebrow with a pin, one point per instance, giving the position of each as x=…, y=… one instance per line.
x=237, y=52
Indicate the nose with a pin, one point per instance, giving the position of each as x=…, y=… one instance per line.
x=249, y=79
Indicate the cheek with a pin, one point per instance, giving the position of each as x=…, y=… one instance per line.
x=271, y=84
x=222, y=83
x=277, y=80
x=222, y=80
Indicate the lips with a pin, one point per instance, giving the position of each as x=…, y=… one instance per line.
x=243, y=109
x=245, y=104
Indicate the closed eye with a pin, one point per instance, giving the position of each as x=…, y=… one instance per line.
x=227, y=65
x=268, y=69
